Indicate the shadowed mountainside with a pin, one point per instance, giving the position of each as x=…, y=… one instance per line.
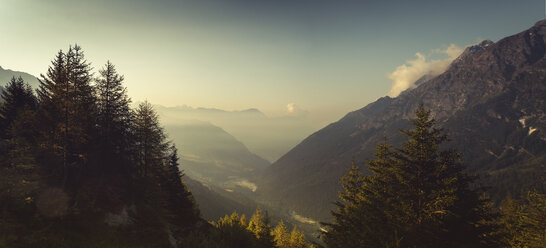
x=490, y=100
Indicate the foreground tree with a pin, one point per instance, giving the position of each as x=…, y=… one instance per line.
x=150, y=140
x=77, y=161
x=181, y=205
x=260, y=226
x=417, y=196
x=67, y=112
x=114, y=115
x=16, y=96
x=17, y=117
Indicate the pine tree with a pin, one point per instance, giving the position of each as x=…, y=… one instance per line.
x=281, y=236
x=231, y=231
x=67, y=111
x=417, y=196
x=17, y=108
x=16, y=96
x=83, y=108
x=259, y=225
x=439, y=206
x=297, y=239
x=343, y=231
x=114, y=115
x=150, y=140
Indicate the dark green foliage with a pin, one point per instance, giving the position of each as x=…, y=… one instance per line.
x=67, y=108
x=16, y=97
x=114, y=115
x=17, y=113
x=79, y=169
x=180, y=200
x=417, y=196
x=150, y=140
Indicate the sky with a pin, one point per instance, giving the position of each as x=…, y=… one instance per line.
x=323, y=58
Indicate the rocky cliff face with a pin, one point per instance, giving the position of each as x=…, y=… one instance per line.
x=490, y=101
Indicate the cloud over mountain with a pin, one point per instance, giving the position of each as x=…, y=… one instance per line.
x=404, y=76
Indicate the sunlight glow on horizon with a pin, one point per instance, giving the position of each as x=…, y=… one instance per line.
x=326, y=58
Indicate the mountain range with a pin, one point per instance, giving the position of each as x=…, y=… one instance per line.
x=490, y=101
x=268, y=137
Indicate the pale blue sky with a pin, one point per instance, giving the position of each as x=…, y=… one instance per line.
x=327, y=57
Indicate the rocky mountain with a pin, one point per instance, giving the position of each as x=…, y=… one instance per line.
x=491, y=101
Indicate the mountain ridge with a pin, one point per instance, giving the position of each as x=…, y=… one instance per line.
x=306, y=177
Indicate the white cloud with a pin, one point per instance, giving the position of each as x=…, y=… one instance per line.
x=404, y=76
x=291, y=108
x=294, y=110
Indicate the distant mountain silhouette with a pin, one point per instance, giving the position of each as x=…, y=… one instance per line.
x=268, y=137
x=491, y=101
x=6, y=75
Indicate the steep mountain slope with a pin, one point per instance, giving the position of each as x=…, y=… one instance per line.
x=211, y=155
x=490, y=100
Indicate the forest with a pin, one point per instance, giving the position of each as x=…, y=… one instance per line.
x=80, y=168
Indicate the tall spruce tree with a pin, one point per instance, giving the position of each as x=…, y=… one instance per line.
x=67, y=111
x=345, y=230
x=150, y=140
x=417, y=196
x=114, y=117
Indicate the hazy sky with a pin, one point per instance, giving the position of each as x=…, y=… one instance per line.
x=326, y=57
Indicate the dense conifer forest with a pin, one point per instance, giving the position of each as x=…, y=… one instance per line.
x=420, y=196
x=80, y=168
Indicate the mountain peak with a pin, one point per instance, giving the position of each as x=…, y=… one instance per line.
x=540, y=23
x=473, y=49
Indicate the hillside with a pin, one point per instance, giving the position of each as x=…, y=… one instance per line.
x=490, y=100
x=211, y=155
x=214, y=202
